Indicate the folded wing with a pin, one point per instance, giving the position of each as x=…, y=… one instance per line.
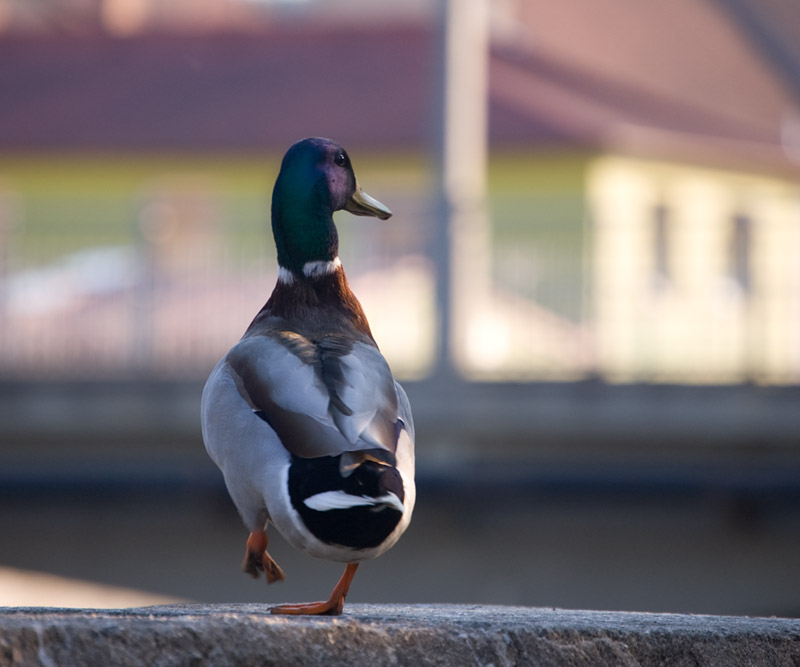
x=322, y=398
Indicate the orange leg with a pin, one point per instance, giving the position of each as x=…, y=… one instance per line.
x=334, y=604
x=256, y=558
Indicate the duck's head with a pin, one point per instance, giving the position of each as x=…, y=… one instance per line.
x=316, y=179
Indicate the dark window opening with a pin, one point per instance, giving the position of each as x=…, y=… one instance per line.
x=661, y=255
x=740, y=243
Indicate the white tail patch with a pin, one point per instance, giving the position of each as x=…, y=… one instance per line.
x=339, y=500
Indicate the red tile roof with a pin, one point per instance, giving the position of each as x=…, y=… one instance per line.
x=649, y=77
x=234, y=91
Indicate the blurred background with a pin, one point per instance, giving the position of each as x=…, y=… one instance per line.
x=590, y=288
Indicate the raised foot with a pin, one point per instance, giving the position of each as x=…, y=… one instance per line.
x=257, y=560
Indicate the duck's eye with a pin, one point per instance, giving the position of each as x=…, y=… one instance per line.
x=340, y=159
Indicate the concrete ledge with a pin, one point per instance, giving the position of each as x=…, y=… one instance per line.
x=245, y=634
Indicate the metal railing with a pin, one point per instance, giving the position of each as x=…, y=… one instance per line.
x=160, y=280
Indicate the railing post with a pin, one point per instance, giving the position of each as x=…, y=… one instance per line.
x=462, y=237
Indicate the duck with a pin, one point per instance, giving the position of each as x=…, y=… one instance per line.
x=312, y=433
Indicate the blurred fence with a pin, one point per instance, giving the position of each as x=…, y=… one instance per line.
x=157, y=273
x=111, y=271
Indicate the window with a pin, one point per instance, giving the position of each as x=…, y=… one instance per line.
x=739, y=251
x=661, y=254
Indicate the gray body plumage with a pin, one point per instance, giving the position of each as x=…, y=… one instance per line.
x=348, y=404
x=302, y=416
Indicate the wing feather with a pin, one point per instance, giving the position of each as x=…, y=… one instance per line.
x=323, y=398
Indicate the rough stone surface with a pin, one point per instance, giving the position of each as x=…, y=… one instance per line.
x=246, y=634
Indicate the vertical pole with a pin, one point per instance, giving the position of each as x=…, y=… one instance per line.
x=10, y=220
x=462, y=239
x=5, y=260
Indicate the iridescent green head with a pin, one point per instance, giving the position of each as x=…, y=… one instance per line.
x=316, y=179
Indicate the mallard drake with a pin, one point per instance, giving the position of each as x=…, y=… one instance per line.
x=303, y=416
